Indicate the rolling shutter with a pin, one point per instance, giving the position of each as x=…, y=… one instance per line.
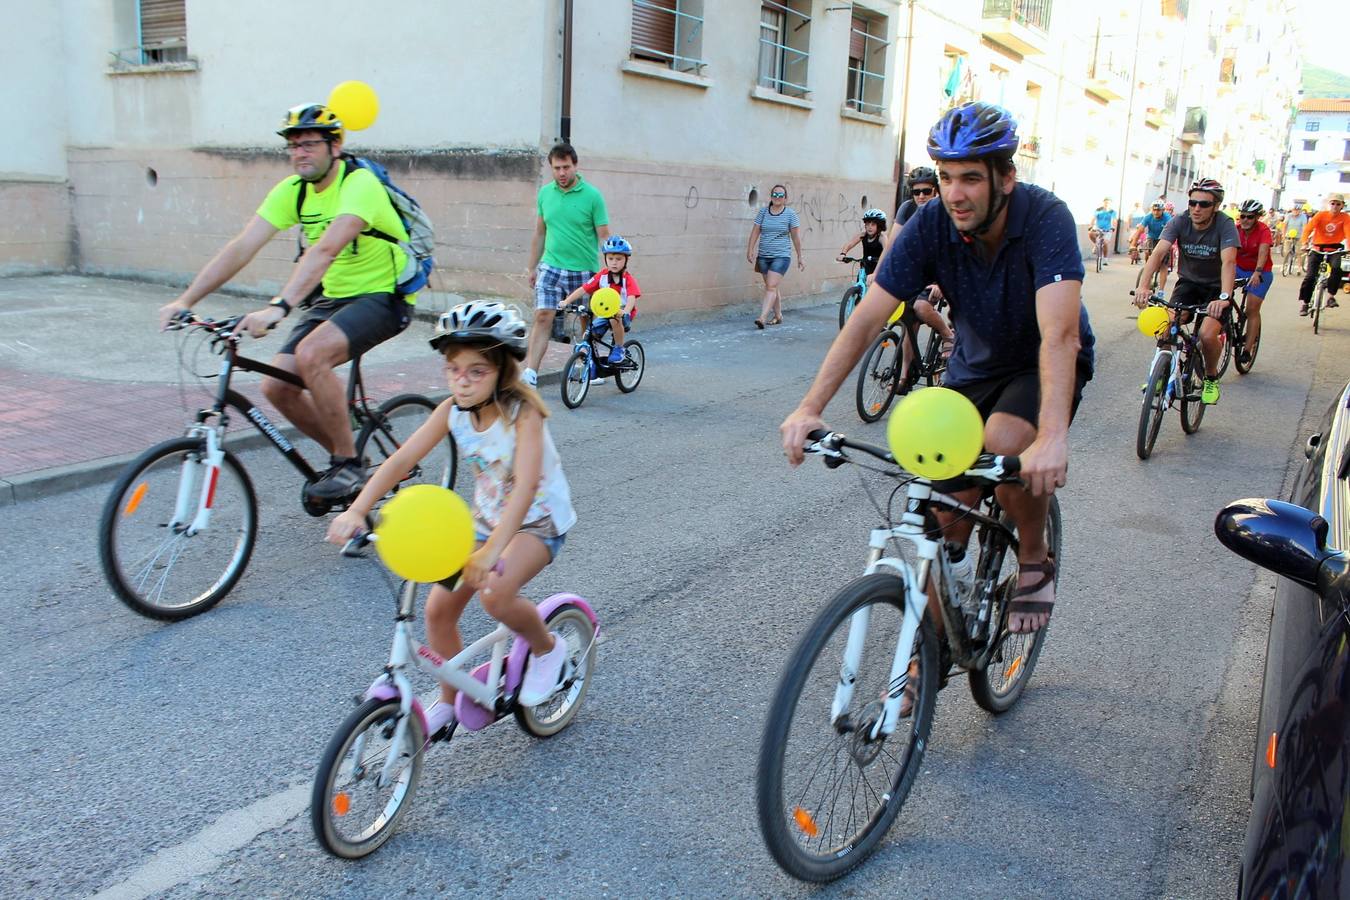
x=857, y=39
x=654, y=29
x=163, y=23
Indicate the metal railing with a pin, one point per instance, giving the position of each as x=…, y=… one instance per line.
x=692, y=26
x=1031, y=13
x=858, y=75
x=149, y=54
x=782, y=58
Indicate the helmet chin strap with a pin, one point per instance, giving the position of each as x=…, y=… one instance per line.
x=997, y=201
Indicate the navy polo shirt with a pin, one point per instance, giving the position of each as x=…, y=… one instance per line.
x=993, y=303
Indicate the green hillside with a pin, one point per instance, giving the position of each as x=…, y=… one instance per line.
x=1320, y=82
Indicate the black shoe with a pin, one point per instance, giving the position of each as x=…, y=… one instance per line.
x=1331, y=303
x=341, y=481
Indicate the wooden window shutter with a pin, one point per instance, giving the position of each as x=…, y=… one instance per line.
x=654, y=30
x=163, y=23
x=857, y=44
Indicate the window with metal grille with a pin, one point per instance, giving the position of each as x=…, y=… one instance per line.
x=669, y=32
x=1305, y=174
x=1312, y=125
x=784, y=39
x=163, y=30
x=867, y=46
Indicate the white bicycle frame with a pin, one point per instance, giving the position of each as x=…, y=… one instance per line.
x=197, y=486
x=1173, y=377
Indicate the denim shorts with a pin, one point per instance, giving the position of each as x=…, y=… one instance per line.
x=552, y=285
x=554, y=544
x=779, y=264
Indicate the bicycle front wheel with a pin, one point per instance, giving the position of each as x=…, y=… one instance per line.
x=572, y=625
x=391, y=426
x=829, y=783
x=848, y=303
x=175, y=535
x=352, y=812
x=1153, y=407
x=878, y=377
x=999, y=684
x=576, y=378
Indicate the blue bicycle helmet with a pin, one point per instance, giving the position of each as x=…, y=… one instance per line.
x=616, y=244
x=973, y=131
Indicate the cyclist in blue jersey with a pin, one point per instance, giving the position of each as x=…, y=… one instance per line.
x=1007, y=257
x=1154, y=223
x=1104, y=224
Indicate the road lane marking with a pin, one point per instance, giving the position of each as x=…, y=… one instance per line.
x=209, y=848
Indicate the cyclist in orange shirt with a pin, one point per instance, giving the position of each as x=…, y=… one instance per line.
x=1328, y=232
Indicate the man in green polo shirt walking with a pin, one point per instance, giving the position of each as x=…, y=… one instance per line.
x=567, y=234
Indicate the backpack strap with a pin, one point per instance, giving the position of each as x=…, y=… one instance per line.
x=300, y=203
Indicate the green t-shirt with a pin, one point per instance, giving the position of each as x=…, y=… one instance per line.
x=368, y=265
x=571, y=217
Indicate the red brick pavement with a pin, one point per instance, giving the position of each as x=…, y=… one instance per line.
x=48, y=421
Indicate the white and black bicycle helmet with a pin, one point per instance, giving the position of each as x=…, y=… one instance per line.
x=875, y=215
x=481, y=322
x=1252, y=208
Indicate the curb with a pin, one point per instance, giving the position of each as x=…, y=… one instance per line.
x=42, y=483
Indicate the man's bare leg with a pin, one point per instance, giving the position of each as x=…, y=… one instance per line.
x=319, y=411
x=1008, y=434
x=539, y=337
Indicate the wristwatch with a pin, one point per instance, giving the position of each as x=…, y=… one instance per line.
x=1225, y=297
x=282, y=304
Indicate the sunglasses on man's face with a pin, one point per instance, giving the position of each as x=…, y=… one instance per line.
x=1337, y=202
x=778, y=194
x=923, y=192
x=1200, y=204
x=1247, y=217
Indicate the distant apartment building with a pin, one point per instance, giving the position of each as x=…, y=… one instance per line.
x=1319, y=151
x=147, y=125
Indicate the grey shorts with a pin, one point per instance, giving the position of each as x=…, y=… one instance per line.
x=366, y=320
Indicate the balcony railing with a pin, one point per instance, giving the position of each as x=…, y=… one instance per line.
x=1031, y=13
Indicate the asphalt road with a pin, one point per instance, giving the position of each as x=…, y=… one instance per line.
x=144, y=759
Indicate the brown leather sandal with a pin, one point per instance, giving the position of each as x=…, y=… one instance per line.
x=1034, y=607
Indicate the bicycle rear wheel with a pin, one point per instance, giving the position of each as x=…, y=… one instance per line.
x=391, y=426
x=1243, y=360
x=826, y=789
x=1192, y=383
x=556, y=713
x=625, y=379
x=879, y=376
x=1000, y=682
x=153, y=557
x=352, y=814
x=849, y=302
x=1154, y=406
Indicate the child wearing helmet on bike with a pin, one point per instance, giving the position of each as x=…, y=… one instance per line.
x=873, y=239
x=522, y=506
x=616, y=275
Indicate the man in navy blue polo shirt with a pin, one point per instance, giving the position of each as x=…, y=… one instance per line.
x=1006, y=256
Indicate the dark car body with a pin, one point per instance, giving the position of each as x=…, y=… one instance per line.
x=1298, y=837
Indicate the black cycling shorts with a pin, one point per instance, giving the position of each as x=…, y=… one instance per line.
x=1196, y=294
x=366, y=320
x=1017, y=395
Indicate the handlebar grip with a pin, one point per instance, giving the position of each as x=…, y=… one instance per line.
x=1012, y=464
x=817, y=434
x=356, y=546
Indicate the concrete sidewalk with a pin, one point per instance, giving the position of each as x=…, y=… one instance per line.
x=87, y=382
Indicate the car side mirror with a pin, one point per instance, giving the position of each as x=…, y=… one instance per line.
x=1286, y=539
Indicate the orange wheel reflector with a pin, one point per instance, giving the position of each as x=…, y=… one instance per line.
x=135, y=501
x=1270, y=749
x=805, y=822
x=342, y=803
x=875, y=407
x=1012, y=670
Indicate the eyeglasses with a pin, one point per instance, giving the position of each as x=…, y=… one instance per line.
x=1337, y=202
x=923, y=192
x=307, y=146
x=778, y=194
x=1247, y=217
x=473, y=374
x=1200, y=204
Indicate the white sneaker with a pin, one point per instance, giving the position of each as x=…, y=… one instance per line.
x=530, y=377
x=440, y=715
x=599, y=380
x=542, y=674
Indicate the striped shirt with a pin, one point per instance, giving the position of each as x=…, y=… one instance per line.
x=774, y=240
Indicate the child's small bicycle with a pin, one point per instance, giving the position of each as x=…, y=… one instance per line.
x=590, y=359
x=371, y=767
x=853, y=294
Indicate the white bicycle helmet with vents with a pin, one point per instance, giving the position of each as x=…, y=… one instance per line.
x=481, y=322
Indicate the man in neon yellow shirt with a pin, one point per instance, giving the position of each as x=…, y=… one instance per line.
x=345, y=280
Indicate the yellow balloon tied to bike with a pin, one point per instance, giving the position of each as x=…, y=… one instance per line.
x=605, y=303
x=1152, y=321
x=935, y=433
x=425, y=533
x=355, y=103
x=895, y=316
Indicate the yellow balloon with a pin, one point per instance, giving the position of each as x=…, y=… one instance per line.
x=425, y=533
x=935, y=433
x=355, y=103
x=895, y=316
x=605, y=303
x=1152, y=321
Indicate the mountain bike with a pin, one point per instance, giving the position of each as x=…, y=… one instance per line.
x=1176, y=376
x=881, y=378
x=590, y=359
x=853, y=294
x=179, y=527
x=1322, y=257
x=838, y=758
x=369, y=772
x=1233, y=338
x=1098, y=246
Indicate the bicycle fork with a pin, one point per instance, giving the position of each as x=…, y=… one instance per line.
x=198, y=481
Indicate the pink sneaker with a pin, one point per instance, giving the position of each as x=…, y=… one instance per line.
x=542, y=674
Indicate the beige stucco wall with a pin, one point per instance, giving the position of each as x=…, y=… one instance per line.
x=35, y=109
x=36, y=234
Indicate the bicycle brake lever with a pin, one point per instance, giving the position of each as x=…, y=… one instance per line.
x=355, y=548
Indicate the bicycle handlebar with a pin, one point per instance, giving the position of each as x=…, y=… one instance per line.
x=988, y=466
